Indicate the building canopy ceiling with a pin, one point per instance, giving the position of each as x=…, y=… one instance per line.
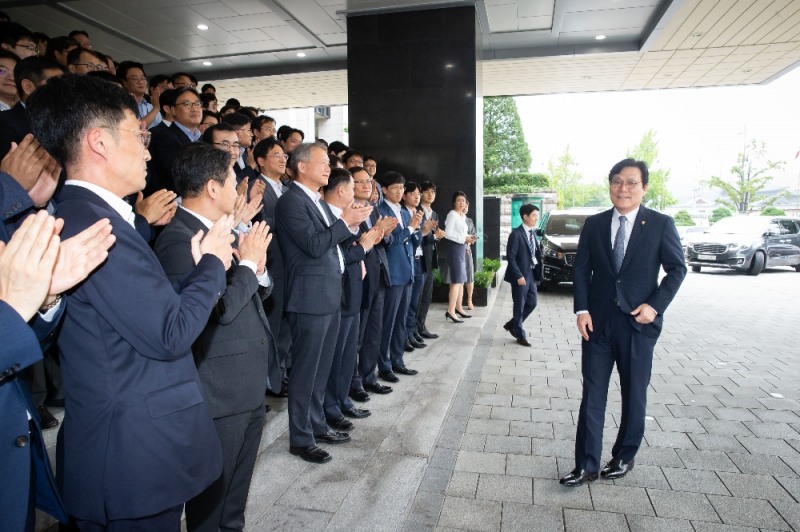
x=278, y=54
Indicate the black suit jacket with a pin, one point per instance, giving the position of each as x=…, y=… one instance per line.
x=164, y=148
x=352, y=283
x=377, y=263
x=236, y=350
x=430, y=258
x=267, y=214
x=653, y=244
x=14, y=124
x=519, y=257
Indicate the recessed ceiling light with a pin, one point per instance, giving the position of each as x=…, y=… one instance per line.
x=587, y=77
x=449, y=65
x=207, y=63
x=202, y=27
x=301, y=54
x=747, y=70
x=697, y=34
x=600, y=37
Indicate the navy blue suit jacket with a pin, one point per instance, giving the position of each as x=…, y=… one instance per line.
x=308, y=245
x=20, y=349
x=518, y=255
x=163, y=149
x=137, y=436
x=400, y=247
x=653, y=244
x=377, y=263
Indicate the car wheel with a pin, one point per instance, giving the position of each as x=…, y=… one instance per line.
x=757, y=265
x=797, y=267
x=696, y=269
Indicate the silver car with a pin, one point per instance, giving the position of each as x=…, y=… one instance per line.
x=747, y=244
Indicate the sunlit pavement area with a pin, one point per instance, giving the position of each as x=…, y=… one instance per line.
x=478, y=440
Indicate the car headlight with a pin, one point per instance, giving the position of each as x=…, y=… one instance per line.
x=555, y=253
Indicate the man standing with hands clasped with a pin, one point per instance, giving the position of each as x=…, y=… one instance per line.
x=524, y=271
x=620, y=305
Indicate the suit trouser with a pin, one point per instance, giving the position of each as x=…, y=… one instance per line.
x=313, y=341
x=344, y=360
x=371, y=333
x=273, y=307
x=525, y=299
x=167, y=521
x=632, y=352
x=394, y=337
x=413, y=299
x=424, y=303
x=221, y=506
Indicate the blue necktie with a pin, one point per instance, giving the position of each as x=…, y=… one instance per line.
x=619, y=243
x=532, y=247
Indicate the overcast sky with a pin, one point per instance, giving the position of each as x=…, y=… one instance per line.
x=699, y=131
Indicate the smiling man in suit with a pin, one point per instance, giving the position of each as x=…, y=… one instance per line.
x=524, y=271
x=309, y=238
x=620, y=304
x=236, y=350
x=137, y=440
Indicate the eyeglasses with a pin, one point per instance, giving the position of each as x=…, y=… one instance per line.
x=144, y=136
x=397, y=187
x=370, y=165
x=31, y=47
x=279, y=156
x=188, y=105
x=619, y=183
x=357, y=162
x=93, y=66
x=363, y=182
x=228, y=145
x=137, y=79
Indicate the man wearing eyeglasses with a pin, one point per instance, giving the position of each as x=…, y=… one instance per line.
x=620, y=305
x=188, y=114
x=83, y=61
x=18, y=39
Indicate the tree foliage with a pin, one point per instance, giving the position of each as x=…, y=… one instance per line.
x=657, y=196
x=719, y=213
x=564, y=177
x=682, y=217
x=515, y=182
x=771, y=210
x=504, y=146
x=749, y=177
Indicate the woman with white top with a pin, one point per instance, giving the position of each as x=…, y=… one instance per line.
x=455, y=251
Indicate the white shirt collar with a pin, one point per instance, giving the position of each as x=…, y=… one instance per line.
x=337, y=212
x=313, y=194
x=122, y=207
x=631, y=216
x=208, y=223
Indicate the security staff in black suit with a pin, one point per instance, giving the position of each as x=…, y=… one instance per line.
x=620, y=305
x=236, y=350
x=524, y=271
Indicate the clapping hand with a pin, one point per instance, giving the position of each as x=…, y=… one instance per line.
x=243, y=211
x=354, y=214
x=33, y=168
x=158, y=208
x=253, y=245
x=217, y=242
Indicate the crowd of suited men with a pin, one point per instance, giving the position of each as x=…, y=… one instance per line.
x=175, y=264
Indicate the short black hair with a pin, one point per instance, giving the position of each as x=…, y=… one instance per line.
x=4, y=17
x=184, y=90
x=207, y=86
x=11, y=33
x=630, y=163
x=75, y=55
x=177, y=75
x=458, y=193
x=427, y=185
x=233, y=102
x=63, y=109
x=527, y=209
x=32, y=68
x=59, y=44
x=73, y=33
x=259, y=121
x=167, y=98
x=337, y=146
x=40, y=37
x=7, y=54
x=411, y=186
x=208, y=134
x=283, y=130
x=237, y=119
x=158, y=79
x=338, y=177
x=125, y=66
x=264, y=147
x=356, y=169
x=392, y=178
x=207, y=113
x=195, y=165
x=349, y=154
x=288, y=132
x=226, y=108
x=206, y=98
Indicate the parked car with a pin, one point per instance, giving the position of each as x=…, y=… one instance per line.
x=686, y=231
x=747, y=244
x=559, y=232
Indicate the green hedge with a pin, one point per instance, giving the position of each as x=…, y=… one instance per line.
x=515, y=182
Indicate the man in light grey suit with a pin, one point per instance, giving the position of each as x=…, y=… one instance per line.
x=236, y=351
x=314, y=263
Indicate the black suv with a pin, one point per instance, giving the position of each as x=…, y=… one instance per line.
x=559, y=232
x=747, y=244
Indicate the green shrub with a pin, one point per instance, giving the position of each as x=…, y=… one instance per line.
x=683, y=218
x=515, y=182
x=484, y=279
x=437, y=277
x=491, y=265
x=719, y=213
x=772, y=211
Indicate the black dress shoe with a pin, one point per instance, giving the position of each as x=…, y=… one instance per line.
x=356, y=413
x=507, y=326
x=418, y=337
x=378, y=388
x=408, y=347
x=429, y=335
x=48, y=420
x=341, y=424
x=267, y=408
x=311, y=454
x=388, y=376
x=284, y=391
x=616, y=469
x=403, y=370
x=333, y=436
x=578, y=477
x=523, y=341
x=417, y=345
x=359, y=395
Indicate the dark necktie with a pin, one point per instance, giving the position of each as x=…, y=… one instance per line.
x=532, y=247
x=619, y=243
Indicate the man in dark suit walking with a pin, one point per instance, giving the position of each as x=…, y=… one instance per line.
x=620, y=306
x=524, y=271
x=137, y=440
x=236, y=350
x=314, y=262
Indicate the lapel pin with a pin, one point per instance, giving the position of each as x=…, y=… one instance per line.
x=643, y=222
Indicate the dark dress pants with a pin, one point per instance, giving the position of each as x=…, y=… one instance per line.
x=313, y=342
x=618, y=343
x=344, y=360
x=424, y=303
x=525, y=299
x=394, y=332
x=273, y=307
x=167, y=521
x=413, y=299
x=221, y=506
x=371, y=333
